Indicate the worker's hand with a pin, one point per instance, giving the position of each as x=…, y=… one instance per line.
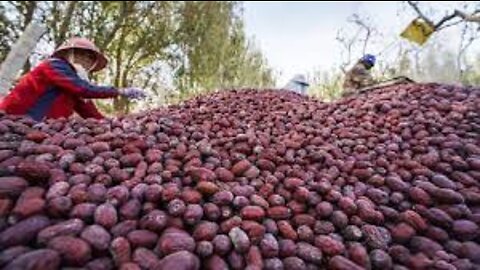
x=132, y=93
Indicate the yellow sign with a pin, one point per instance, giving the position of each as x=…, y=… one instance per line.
x=418, y=31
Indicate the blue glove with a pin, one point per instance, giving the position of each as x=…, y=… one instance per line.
x=132, y=93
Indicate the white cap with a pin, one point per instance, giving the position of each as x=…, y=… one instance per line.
x=298, y=84
x=299, y=78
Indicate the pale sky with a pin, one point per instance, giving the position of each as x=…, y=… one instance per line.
x=299, y=37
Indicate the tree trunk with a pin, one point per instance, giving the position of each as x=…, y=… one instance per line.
x=18, y=55
x=119, y=103
x=62, y=32
x=30, y=10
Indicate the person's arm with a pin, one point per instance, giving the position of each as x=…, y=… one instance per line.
x=62, y=75
x=86, y=109
x=368, y=79
x=362, y=76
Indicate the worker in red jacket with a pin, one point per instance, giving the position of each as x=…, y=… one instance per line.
x=59, y=86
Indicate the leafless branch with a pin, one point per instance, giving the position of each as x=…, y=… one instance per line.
x=469, y=18
x=465, y=43
x=363, y=26
x=444, y=20
x=449, y=25
x=441, y=24
x=420, y=14
x=361, y=38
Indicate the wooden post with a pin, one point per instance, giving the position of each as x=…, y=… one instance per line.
x=18, y=55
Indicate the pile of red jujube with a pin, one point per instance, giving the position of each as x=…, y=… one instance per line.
x=249, y=179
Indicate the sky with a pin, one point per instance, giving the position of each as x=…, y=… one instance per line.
x=299, y=37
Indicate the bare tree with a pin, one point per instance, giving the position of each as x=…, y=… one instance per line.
x=436, y=26
x=468, y=36
x=356, y=43
x=473, y=17
x=469, y=32
x=447, y=20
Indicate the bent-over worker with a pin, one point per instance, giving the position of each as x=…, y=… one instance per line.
x=359, y=76
x=59, y=86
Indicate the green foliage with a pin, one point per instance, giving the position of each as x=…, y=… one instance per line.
x=213, y=51
x=326, y=86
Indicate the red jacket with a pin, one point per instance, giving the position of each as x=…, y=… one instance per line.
x=52, y=90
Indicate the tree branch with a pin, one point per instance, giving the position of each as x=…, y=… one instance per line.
x=30, y=10
x=463, y=47
x=62, y=32
x=449, y=25
x=124, y=13
x=147, y=81
x=415, y=7
x=441, y=24
x=468, y=18
x=444, y=20
x=367, y=28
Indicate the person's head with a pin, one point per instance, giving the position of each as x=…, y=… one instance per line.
x=298, y=84
x=301, y=80
x=86, y=58
x=83, y=52
x=368, y=60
